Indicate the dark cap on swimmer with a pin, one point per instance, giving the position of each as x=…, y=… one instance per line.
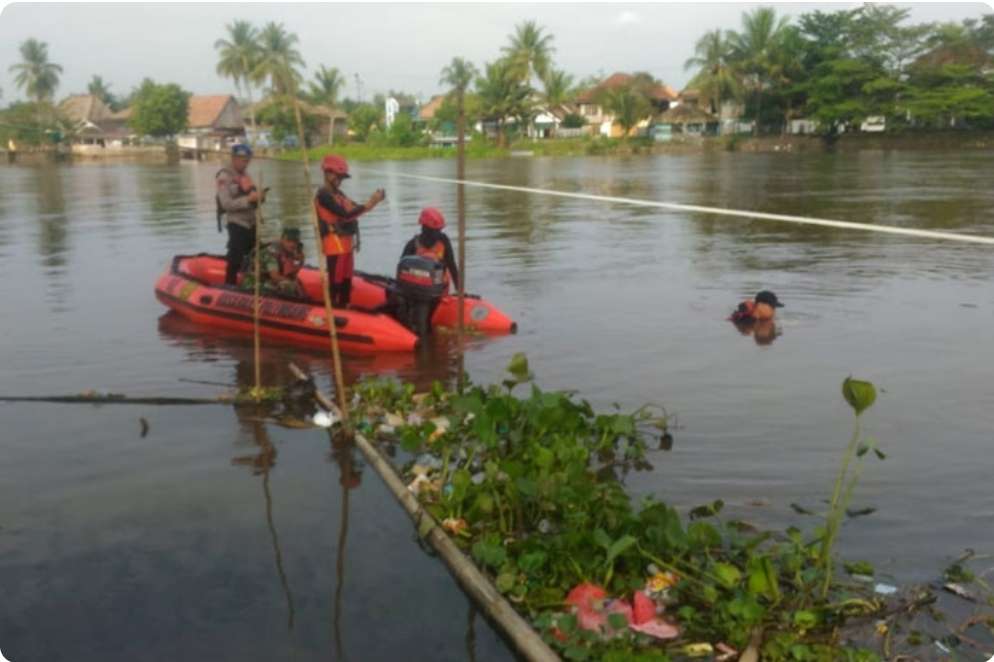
x=769, y=298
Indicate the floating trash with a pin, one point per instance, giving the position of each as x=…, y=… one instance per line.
x=324, y=419
x=885, y=589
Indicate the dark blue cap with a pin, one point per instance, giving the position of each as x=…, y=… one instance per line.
x=241, y=149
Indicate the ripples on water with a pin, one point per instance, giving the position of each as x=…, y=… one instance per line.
x=124, y=547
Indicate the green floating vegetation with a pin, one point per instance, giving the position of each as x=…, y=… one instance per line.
x=530, y=486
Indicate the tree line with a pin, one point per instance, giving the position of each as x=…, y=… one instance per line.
x=838, y=68
x=835, y=68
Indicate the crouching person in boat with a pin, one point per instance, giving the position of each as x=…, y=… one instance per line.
x=434, y=244
x=279, y=263
x=237, y=197
x=338, y=220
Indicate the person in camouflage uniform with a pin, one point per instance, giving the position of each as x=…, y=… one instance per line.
x=279, y=263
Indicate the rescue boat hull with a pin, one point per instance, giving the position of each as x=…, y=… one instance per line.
x=193, y=286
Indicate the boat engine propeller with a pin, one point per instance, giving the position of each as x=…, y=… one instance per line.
x=421, y=285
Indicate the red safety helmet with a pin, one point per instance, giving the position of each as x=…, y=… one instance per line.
x=431, y=218
x=336, y=164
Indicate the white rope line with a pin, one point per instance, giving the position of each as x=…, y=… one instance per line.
x=719, y=211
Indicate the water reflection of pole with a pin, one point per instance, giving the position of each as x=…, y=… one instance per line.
x=276, y=550
x=471, y=633
x=263, y=463
x=342, y=454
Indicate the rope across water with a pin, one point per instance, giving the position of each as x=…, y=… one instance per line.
x=717, y=211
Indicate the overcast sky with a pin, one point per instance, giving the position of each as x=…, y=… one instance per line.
x=389, y=46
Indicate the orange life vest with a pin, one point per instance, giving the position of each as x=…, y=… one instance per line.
x=750, y=311
x=435, y=252
x=337, y=232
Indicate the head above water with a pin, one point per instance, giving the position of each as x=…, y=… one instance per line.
x=769, y=298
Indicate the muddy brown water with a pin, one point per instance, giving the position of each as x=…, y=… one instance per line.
x=179, y=546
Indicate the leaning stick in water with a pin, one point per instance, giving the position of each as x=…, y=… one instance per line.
x=116, y=399
x=256, y=300
x=479, y=588
x=329, y=311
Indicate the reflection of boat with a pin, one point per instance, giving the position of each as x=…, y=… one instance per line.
x=193, y=287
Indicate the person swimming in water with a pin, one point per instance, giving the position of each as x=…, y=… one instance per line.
x=754, y=317
x=762, y=307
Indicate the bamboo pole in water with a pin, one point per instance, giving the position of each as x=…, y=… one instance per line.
x=461, y=208
x=329, y=311
x=256, y=345
x=480, y=589
x=461, y=211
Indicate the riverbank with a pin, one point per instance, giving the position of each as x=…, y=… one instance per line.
x=967, y=140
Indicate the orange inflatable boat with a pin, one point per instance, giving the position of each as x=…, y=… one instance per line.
x=193, y=286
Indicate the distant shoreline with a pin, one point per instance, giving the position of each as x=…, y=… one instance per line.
x=855, y=142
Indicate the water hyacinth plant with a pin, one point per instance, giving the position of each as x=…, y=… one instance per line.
x=530, y=487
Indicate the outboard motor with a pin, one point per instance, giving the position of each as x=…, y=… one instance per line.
x=421, y=285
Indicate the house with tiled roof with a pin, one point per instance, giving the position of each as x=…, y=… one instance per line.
x=94, y=126
x=213, y=122
x=602, y=122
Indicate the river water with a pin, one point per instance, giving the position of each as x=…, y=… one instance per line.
x=182, y=544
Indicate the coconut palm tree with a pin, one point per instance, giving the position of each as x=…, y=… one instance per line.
x=754, y=50
x=100, y=89
x=38, y=77
x=629, y=104
x=503, y=95
x=558, y=87
x=238, y=56
x=715, y=80
x=327, y=84
x=278, y=59
x=530, y=51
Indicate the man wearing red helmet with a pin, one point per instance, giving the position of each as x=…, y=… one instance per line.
x=433, y=243
x=338, y=221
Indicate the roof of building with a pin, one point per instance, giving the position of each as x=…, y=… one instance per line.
x=205, y=110
x=428, y=110
x=658, y=92
x=686, y=114
x=84, y=108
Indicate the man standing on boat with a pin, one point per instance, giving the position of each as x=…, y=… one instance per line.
x=338, y=221
x=237, y=198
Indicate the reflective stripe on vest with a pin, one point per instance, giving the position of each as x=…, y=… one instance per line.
x=330, y=223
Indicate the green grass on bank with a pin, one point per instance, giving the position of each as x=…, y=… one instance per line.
x=479, y=149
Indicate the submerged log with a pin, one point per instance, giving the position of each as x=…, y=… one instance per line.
x=524, y=638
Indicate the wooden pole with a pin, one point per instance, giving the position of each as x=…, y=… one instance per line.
x=477, y=586
x=256, y=301
x=329, y=311
x=461, y=204
x=461, y=211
